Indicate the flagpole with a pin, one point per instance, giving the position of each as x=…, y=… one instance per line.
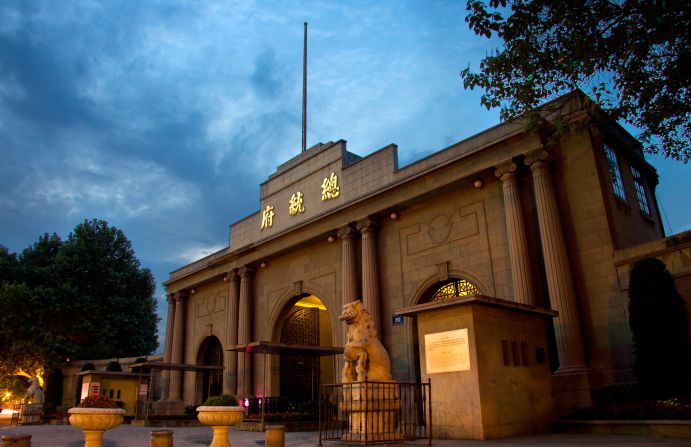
x=304, y=93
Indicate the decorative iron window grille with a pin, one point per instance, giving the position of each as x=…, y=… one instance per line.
x=640, y=191
x=455, y=289
x=615, y=173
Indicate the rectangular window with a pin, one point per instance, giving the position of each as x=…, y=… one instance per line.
x=506, y=353
x=615, y=173
x=640, y=191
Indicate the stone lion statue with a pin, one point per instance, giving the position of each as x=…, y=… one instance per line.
x=364, y=354
x=34, y=394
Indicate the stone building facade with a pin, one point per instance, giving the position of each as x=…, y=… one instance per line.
x=503, y=214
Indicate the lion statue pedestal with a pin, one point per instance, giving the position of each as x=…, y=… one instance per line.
x=370, y=397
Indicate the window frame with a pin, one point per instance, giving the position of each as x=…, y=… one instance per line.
x=614, y=171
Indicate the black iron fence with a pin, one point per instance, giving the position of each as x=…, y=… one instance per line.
x=282, y=408
x=368, y=413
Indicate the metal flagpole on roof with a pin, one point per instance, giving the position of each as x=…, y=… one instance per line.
x=304, y=93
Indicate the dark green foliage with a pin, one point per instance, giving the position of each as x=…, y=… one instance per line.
x=633, y=57
x=114, y=365
x=98, y=401
x=221, y=401
x=658, y=320
x=88, y=367
x=86, y=297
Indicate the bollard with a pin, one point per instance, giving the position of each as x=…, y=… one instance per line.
x=161, y=438
x=16, y=441
x=275, y=436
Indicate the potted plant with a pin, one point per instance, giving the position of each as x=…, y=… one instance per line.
x=221, y=413
x=94, y=415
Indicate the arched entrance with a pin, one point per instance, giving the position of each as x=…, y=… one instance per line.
x=210, y=354
x=307, y=323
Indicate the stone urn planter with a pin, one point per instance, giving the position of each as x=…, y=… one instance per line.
x=220, y=417
x=94, y=421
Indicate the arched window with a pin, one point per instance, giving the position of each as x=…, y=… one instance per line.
x=455, y=288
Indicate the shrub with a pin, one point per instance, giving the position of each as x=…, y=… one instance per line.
x=97, y=402
x=221, y=401
x=658, y=320
x=114, y=365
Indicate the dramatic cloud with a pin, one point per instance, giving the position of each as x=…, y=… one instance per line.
x=163, y=117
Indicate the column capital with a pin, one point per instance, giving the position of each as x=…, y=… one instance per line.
x=502, y=169
x=246, y=272
x=346, y=232
x=170, y=297
x=367, y=225
x=231, y=275
x=181, y=296
x=536, y=157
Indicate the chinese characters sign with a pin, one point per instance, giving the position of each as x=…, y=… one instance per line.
x=296, y=204
x=329, y=190
x=267, y=217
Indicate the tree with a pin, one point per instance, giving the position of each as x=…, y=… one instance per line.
x=658, y=320
x=87, y=297
x=632, y=56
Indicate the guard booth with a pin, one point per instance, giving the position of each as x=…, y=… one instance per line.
x=294, y=411
x=487, y=358
x=144, y=411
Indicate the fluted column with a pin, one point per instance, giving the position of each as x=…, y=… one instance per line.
x=230, y=381
x=178, y=350
x=244, y=380
x=167, y=356
x=370, y=276
x=348, y=266
x=562, y=295
x=521, y=274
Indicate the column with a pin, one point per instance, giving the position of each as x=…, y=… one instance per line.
x=515, y=228
x=178, y=349
x=230, y=379
x=348, y=266
x=167, y=356
x=562, y=296
x=370, y=277
x=244, y=380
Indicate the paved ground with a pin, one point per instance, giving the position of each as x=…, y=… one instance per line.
x=130, y=436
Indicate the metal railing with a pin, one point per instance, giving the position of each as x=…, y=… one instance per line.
x=367, y=413
x=279, y=408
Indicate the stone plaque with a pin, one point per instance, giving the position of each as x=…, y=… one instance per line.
x=447, y=351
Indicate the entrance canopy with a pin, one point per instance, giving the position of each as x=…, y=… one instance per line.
x=175, y=366
x=270, y=347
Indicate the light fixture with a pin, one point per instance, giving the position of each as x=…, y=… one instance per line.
x=330, y=239
x=478, y=183
x=263, y=264
x=393, y=215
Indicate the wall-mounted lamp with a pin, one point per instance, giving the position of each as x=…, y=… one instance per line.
x=477, y=183
x=330, y=239
x=393, y=215
x=262, y=265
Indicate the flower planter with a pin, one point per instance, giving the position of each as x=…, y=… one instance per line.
x=220, y=419
x=94, y=421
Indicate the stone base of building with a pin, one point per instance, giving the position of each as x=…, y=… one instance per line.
x=169, y=407
x=571, y=390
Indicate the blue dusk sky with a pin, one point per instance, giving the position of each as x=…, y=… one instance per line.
x=162, y=117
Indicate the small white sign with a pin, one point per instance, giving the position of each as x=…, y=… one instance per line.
x=447, y=351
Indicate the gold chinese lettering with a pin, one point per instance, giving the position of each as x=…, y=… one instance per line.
x=296, y=204
x=267, y=217
x=330, y=188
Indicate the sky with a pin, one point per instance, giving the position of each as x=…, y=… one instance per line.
x=162, y=117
